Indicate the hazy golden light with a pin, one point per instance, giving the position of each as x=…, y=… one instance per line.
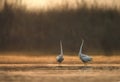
x=50, y=4
x=46, y=4
x=41, y=4
x=35, y=3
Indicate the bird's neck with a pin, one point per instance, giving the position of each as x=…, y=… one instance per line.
x=61, y=52
x=80, y=51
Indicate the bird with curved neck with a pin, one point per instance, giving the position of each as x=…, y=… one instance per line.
x=60, y=57
x=85, y=58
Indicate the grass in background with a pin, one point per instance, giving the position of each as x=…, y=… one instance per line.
x=24, y=58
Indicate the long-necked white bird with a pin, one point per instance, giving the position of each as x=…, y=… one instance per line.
x=85, y=58
x=60, y=57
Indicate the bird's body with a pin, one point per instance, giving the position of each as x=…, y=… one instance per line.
x=85, y=58
x=60, y=57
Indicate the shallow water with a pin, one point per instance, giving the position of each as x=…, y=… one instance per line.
x=59, y=73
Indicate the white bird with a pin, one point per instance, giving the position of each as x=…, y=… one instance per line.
x=85, y=58
x=60, y=57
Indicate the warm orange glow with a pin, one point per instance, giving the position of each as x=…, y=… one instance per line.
x=35, y=3
x=39, y=58
x=46, y=4
x=49, y=4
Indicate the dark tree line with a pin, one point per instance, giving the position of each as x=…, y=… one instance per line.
x=29, y=31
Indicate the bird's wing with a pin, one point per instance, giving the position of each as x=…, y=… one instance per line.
x=86, y=58
x=57, y=57
x=84, y=55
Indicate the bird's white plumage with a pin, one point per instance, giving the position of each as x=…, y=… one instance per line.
x=85, y=58
x=60, y=57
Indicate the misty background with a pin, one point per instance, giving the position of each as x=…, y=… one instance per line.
x=22, y=29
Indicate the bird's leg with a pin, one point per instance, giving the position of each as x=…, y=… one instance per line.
x=59, y=65
x=85, y=65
